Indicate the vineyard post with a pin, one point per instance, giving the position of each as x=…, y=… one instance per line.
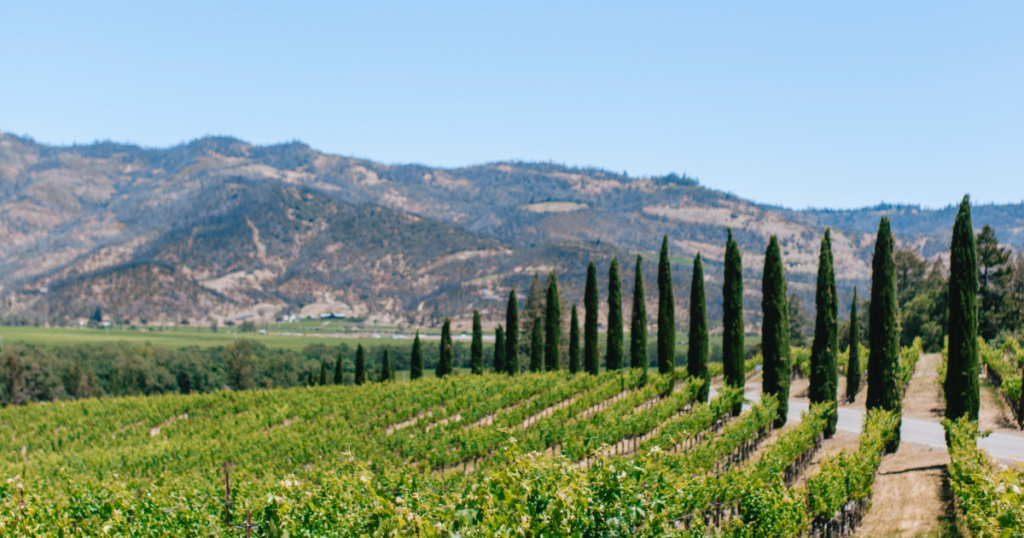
x=227, y=495
x=248, y=526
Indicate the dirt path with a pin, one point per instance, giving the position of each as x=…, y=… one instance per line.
x=911, y=493
x=994, y=413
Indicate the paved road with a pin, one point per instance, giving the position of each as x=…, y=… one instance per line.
x=999, y=445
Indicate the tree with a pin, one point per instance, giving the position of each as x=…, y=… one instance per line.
x=360, y=365
x=666, y=313
x=775, y=330
x=853, y=366
x=238, y=365
x=385, y=367
x=824, y=378
x=574, y=342
x=444, y=360
x=992, y=260
x=885, y=389
x=512, y=334
x=910, y=273
x=339, y=370
x=476, y=349
x=638, y=322
x=732, y=318
x=323, y=373
x=97, y=315
x=552, y=325
x=961, y=386
x=591, y=351
x=697, y=354
x=616, y=338
x=14, y=375
x=537, y=346
x=416, y=359
x=499, y=350
x=798, y=322
x=534, y=305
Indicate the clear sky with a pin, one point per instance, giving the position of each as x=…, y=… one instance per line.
x=825, y=104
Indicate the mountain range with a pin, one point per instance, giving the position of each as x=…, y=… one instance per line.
x=219, y=229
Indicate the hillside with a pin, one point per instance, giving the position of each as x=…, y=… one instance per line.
x=220, y=229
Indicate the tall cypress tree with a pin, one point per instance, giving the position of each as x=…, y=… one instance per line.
x=339, y=370
x=360, y=365
x=885, y=388
x=385, y=367
x=824, y=379
x=697, y=354
x=537, y=346
x=638, y=323
x=476, y=349
x=416, y=360
x=323, y=373
x=574, y=342
x=853, y=366
x=512, y=334
x=444, y=359
x=961, y=386
x=591, y=351
x=616, y=338
x=552, y=325
x=775, y=330
x=732, y=318
x=499, y=350
x=666, y=313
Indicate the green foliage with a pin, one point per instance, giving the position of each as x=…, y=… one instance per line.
x=666, y=312
x=961, y=384
x=885, y=383
x=591, y=351
x=732, y=316
x=615, y=340
x=824, y=375
x=512, y=334
x=638, y=321
x=552, y=326
x=537, y=346
x=239, y=365
x=476, y=349
x=990, y=502
x=445, y=364
x=416, y=359
x=323, y=374
x=385, y=367
x=339, y=367
x=360, y=365
x=697, y=354
x=853, y=365
x=775, y=330
x=574, y=342
x=499, y=349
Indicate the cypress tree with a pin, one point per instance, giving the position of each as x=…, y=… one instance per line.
x=512, y=334
x=638, y=323
x=885, y=389
x=666, y=313
x=323, y=373
x=537, y=346
x=574, y=342
x=360, y=365
x=591, y=351
x=385, y=367
x=853, y=366
x=824, y=378
x=732, y=318
x=616, y=338
x=775, y=330
x=416, y=360
x=697, y=354
x=499, y=350
x=339, y=371
x=961, y=385
x=552, y=325
x=310, y=381
x=476, y=349
x=444, y=359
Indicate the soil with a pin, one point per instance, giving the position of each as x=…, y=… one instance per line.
x=924, y=398
x=994, y=414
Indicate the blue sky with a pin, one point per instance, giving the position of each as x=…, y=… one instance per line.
x=823, y=104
